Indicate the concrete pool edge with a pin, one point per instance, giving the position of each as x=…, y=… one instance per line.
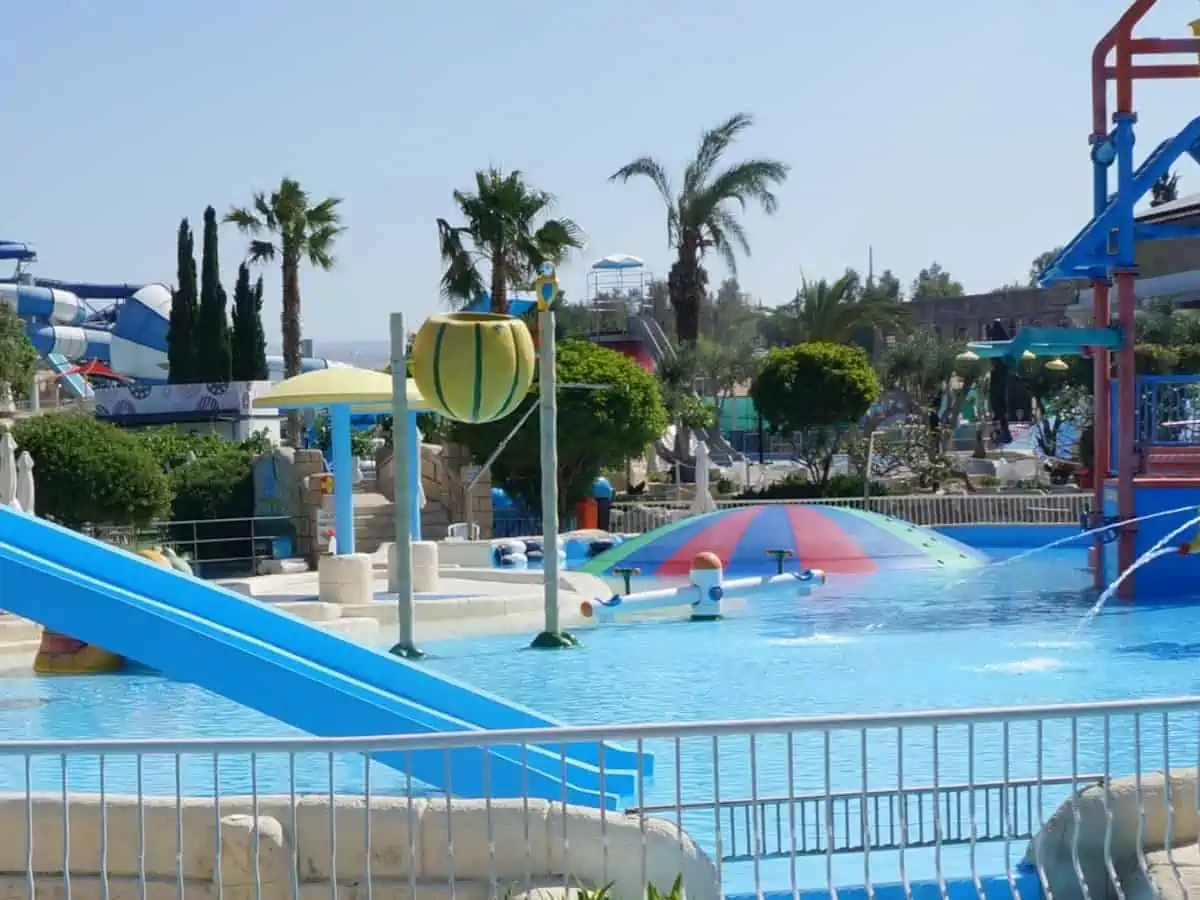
x=179, y=839
x=1127, y=827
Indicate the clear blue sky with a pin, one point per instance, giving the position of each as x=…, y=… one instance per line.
x=931, y=129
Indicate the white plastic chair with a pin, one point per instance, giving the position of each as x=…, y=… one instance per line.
x=463, y=531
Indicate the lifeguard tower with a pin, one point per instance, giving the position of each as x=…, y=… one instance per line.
x=618, y=290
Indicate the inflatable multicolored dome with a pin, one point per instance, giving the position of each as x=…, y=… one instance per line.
x=839, y=540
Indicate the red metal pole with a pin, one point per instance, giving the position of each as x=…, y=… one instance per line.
x=1166, y=45
x=1101, y=433
x=1159, y=72
x=1126, y=462
x=1126, y=304
x=1136, y=12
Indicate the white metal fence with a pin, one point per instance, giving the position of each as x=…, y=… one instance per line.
x=1062, y=801
x=920, y=509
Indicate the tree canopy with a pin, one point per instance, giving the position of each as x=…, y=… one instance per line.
x=214, y=356
x=935, y=281
x=88, y=471
x=18, y=359
x=703, y=215
x=507, y=228
x=815, y=385
x=182, y=349
x=596, y=428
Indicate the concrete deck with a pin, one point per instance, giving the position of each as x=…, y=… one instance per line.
x=469, y=601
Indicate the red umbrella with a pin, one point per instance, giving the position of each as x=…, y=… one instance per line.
x=93, y=368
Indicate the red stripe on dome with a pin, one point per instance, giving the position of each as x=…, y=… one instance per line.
x=823, y=544
x=721, y=538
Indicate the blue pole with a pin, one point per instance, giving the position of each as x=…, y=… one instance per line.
x=1125, y=198
x=414, y=477
x=343, y=489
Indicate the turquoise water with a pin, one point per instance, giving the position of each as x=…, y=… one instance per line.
x=1000, y=636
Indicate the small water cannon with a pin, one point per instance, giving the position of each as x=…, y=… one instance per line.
x=704, y=595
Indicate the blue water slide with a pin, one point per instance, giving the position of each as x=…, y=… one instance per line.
x=91, y=291
x=42, y=304
x=15, y=250
x=519, y=303
x=284, y=667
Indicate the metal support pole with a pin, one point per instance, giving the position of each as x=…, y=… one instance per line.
x=1126, y=459
x=1101, y=425
x=343, y=486
x=401, y=580
x=552, y=635
x=413, y=444
x=1126, y=306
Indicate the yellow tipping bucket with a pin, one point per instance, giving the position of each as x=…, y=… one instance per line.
x=1195, y=26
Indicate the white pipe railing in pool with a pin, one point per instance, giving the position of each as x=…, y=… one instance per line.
x=1067, y=801
x=635, y=517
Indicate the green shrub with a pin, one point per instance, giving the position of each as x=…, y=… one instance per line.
x=88, y=471
x=798, y=487
x=218, y=486
x=213, y=507
x=597, y=429
x=814, y=385
x=1187, y=359
x=1155, y=359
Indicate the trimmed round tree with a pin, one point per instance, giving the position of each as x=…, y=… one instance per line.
x=815, y=388
x=596, y=427
x=88, y=471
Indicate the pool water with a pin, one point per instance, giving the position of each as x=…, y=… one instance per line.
x=1000, y=636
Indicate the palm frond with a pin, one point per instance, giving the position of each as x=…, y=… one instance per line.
x=649, y=167
x=747, y=181
x=261, y=251
x=557, y=237
x=461, y=280
x=733, y=230
x=713, y=145
x=324, y=213
x=266, y=210
x=319, y=241
x=246, y=221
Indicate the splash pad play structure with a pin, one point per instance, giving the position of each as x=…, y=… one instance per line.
x=754, y=541
x=703, y=597
x=1103, y=252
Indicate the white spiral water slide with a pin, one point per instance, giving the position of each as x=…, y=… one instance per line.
x=129, y=336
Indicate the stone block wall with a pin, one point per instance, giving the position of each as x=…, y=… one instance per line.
x=445, y=471
x=456, y=472
x=306, y=463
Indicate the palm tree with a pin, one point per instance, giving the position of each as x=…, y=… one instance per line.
x=287, y=225
x=501, y=230
x=835, y=313
x=703, y=215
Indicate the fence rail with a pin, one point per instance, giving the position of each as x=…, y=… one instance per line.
x=931, y=510
x=878, y=820
x=1040, y=801
x=215, y=547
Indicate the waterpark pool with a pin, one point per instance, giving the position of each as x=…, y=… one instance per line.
x=1005, y=635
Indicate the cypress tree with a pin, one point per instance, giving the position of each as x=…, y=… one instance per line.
x=258, y=345
x=212, y=330
x=181, y=327
x=249, y=340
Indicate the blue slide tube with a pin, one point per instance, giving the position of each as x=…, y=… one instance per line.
x=458, y=705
